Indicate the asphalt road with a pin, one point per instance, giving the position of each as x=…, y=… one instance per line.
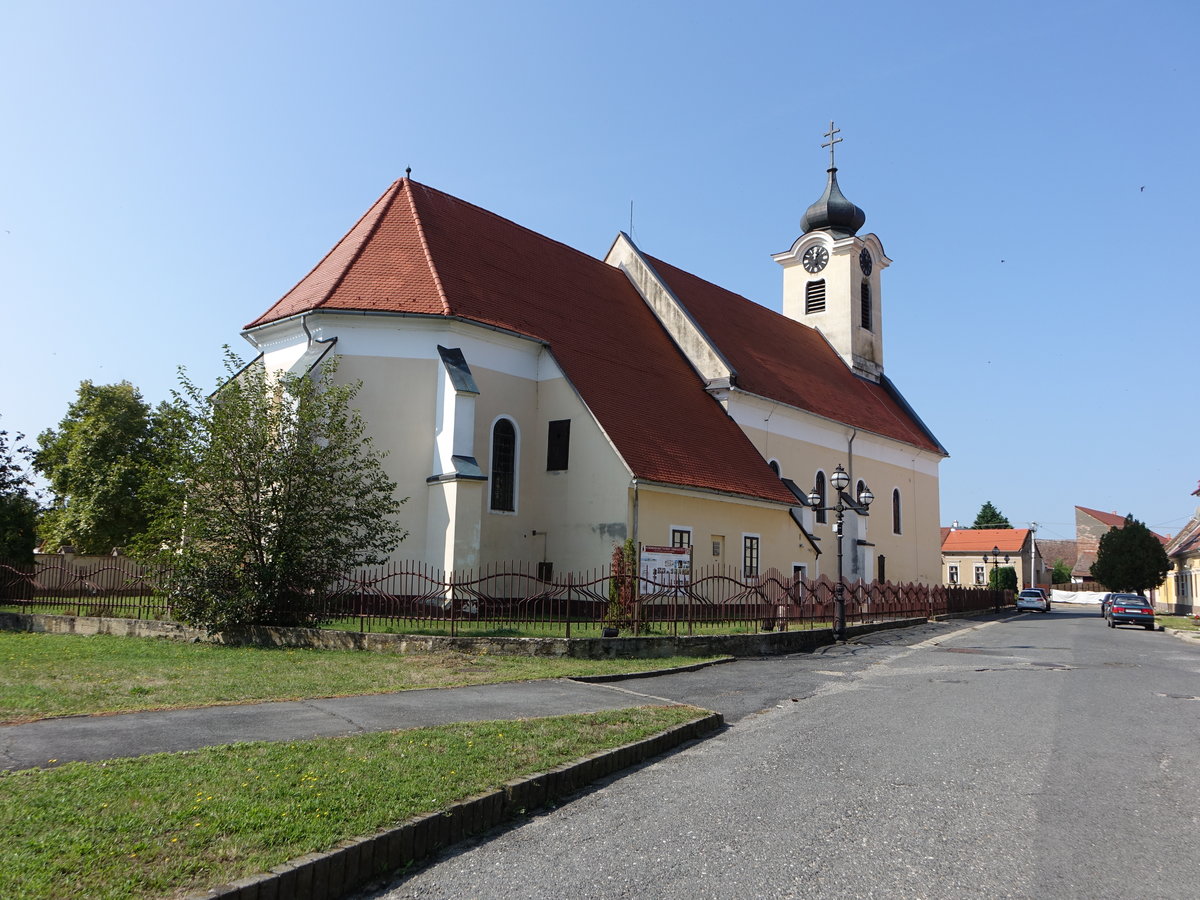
x=1039, y=756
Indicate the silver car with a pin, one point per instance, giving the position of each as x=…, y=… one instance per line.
x=1033, y=598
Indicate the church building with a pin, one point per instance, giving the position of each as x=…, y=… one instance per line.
x=540, y=405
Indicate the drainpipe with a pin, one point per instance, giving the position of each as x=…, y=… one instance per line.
x=635, y=512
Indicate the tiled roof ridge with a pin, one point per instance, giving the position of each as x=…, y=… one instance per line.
x=392, y=190
x=379, y=209
x=433, y=269
x=544, y=238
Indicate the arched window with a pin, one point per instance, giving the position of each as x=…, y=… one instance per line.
x=774, y=464
x=865, y=297
x=858, y=489
x=819, y=487
x=896, y=522
x=504, y=466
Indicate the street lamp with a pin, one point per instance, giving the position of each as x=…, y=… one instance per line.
x=839, y=481
x=995, y=560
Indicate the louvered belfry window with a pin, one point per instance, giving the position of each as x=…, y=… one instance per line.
x=866, y=306
x=814, y=297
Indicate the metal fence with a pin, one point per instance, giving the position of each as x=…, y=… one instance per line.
x=513, y=599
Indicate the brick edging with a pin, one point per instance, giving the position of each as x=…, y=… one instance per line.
x=357, y=862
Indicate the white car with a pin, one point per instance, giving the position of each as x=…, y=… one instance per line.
x=1033, y=598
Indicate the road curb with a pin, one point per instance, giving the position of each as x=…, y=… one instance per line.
x=1189, y=636
x=357, y=862
x=651, y=673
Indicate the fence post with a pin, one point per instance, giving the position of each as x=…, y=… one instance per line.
x=570, y=591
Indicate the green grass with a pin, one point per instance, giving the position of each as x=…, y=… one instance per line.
x=170, y=824
x=44, y=675
x=1180, y=623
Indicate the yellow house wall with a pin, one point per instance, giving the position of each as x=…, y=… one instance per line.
x=966, y=568
x=712, y=516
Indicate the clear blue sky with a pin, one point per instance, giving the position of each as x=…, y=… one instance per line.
x=169, y=169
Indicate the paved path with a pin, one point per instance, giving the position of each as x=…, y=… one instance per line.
x=56, y=741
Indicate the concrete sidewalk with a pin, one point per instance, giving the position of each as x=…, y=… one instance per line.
x=50, y=742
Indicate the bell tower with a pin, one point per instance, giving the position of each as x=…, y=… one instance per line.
x=832, y=276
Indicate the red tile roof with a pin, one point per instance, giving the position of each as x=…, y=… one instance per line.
x=785, y=360
x=420, y=251
x=983, y=540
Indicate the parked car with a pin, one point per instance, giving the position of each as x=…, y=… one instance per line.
x=1033, y=598
x=1128, y=609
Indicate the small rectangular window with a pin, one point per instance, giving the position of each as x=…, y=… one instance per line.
x=545, y=571
x=980, y=574
x=681, y=537
x=558, y=445
x=953, y=576
x=866, y=305
x=750, y=549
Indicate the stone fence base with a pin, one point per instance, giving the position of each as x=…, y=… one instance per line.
x=772, y=643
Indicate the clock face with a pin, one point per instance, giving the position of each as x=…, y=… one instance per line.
x=815, y=259
x=864, y=261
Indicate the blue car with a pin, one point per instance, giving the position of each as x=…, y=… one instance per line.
x=1128, y=609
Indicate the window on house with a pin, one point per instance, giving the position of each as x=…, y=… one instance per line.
x=558, y=445
x=814, y=297
x=819, y=487
x=750, y=547
x=896, y=523
x=545, y=571
x=980, y=574
x=774, y=464
x=681, y=537
x=865, y=296
x=882, y=566
x=504, y=466
x=952, y=577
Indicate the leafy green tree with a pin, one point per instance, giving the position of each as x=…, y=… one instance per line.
x=1061, y=573
x=1130, y=558
x=276, y=492
x=990, y=517
x=18, y=504
x=96, y=462
x=1003, y=578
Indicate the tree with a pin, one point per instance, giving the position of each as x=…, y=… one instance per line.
x=18, y=504
x=1003, y=578
x=276, y=493
x=1061, y=573
x=990, y=517
x=97, y=462
x=1130, y=558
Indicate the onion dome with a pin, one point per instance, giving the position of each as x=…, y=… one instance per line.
x=833, y=212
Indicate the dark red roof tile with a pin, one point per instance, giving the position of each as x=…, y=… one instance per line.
x=785, y=360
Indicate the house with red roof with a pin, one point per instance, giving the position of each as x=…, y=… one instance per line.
x=1090, y=526
x=540, y=405
x=970, y=554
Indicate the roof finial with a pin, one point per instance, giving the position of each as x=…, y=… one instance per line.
x=408, y=171
x=833, y=140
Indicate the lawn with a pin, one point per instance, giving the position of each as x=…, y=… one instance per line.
x=1180, y=623
x=171, y=824
x=43, y=675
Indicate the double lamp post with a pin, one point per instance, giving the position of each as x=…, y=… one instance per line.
x=839, y=481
